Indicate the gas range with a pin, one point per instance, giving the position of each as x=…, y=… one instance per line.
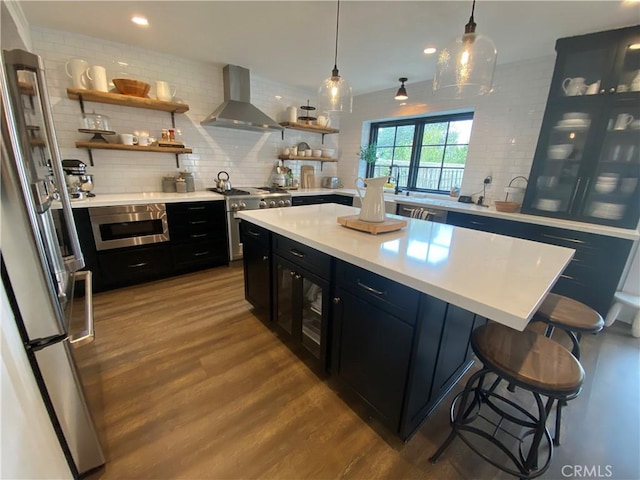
x=254, y=198
x=249, y=198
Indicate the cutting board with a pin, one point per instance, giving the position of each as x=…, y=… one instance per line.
x=374, y=228
x=307, y=176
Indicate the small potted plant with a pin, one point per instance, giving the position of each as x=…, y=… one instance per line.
x=368, y=153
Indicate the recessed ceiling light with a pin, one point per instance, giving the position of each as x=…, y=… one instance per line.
x=430, y=50
x=634, y=46
x=138, y=20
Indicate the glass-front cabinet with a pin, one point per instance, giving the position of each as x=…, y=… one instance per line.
x=301, y=309
x=587, y=164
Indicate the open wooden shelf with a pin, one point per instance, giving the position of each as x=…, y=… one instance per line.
x=134, y=148
x=316, y=159
x=125, y=100
x=308, y=128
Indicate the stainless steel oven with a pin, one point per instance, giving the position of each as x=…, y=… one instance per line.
x=129, y=225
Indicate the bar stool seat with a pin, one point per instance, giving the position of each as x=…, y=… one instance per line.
x=529, y=361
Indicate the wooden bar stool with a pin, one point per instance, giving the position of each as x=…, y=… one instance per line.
x=570, y=316
x=531, y=362
x=574, y=319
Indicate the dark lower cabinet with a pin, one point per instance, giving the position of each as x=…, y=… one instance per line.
x=300, y=290
x=316, y=199
x=595, y=270
x=371, y=355
x=130, y=266
x=256, y=243
x=198, y=235
x=396, y=350
x=198, y=239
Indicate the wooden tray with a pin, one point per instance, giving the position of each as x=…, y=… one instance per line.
x=389, y=224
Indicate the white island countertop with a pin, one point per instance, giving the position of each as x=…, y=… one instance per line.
x=501, y=278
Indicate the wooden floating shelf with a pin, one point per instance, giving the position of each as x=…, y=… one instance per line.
x=36, y=142
x=308, y=128
x=134, y=148
x=125, y=100
x=317, y=159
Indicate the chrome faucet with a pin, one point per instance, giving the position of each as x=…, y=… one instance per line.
x=397, y=179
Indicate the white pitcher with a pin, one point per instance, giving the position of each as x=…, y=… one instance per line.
x=76, y=70
x=372, y=209
x=98, y=77
x=164, y=91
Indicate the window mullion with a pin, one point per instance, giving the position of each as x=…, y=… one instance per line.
x=412, y=176
x=444, y=152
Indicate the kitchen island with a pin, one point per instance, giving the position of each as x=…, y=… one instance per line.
x=389, y=317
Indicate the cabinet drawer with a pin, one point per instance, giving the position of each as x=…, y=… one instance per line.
x=315, y=261
x=197, y=254
x=382, y=292
x=250, y=231
x=126, y=267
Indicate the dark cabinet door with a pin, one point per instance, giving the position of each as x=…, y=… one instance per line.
x=371, y=355
x=257, y=269
x=316, y=199
x=301, y=310
x=587, y=165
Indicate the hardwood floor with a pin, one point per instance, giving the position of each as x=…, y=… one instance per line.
x=186, y=382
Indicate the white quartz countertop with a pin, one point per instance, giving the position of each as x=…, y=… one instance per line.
x=502, y=278
x=444, y=203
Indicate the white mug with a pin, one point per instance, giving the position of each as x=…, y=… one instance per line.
x=164, y=91
x=622, y=121
x=128, y=139
x=76, y=69
x=98, y=77
x=144, y=140
x=593, y=89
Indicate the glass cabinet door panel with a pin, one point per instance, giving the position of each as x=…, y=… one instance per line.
x=584, y=71
x=285, y=279
x=612, y=195
x=312, y=317
x=559, y=160
x=629, y=79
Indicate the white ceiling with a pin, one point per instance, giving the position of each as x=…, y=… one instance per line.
x=293, y=41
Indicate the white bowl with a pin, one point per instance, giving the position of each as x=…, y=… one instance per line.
x=548, y=204
x=559, y=152
x=547, y=182
x=605, y=187
x=610, y=211
x=576, y=116
x=316, y=153
x=328, y=152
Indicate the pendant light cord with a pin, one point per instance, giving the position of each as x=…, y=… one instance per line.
x=470, y=27
x=335, y=62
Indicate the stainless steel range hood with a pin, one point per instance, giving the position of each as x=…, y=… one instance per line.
x=236, y=111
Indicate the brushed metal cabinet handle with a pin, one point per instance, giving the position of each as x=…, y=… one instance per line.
x=370, y=289
x=138, y=265
x=296, y=253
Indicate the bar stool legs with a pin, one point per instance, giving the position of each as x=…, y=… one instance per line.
x=501, y=431
x=465, y=409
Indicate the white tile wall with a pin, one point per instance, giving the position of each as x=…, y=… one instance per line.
x=505, y=130
x=249, y=157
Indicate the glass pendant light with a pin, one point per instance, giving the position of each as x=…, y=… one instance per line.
x=465, y=66
x=402, y=92
x=334, y=95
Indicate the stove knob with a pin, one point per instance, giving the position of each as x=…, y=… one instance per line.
x=262, y=204
x=287, y=203
x=243, y=205
x=272, y=204
x=281, y=203
x=234, y=207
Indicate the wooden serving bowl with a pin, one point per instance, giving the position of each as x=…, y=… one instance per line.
x=135, y=88
x=508, y=207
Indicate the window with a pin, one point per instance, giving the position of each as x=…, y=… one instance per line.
x=427, y=154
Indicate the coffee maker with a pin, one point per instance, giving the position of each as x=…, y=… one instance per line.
x=79, y=183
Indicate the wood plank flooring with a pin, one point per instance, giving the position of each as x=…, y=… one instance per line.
x=185, y=382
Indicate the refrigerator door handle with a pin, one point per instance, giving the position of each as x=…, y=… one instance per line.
x=88, y=334
x=77, y=261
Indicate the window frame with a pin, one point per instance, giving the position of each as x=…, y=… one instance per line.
x=419, y=124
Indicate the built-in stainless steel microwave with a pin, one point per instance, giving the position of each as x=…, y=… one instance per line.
x=129, y=225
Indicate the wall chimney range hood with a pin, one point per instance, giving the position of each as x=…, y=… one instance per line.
x=236, y=111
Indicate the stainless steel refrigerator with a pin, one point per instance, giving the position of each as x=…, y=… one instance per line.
x=39, y=281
